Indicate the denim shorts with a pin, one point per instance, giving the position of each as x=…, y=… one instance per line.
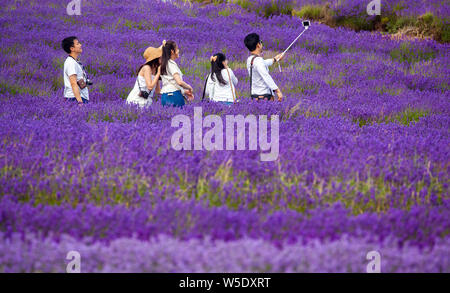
x=75, y=100
x=174, y=99
x=226, y=103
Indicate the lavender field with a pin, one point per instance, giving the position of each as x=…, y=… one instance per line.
x=363, y=159
x=349, y=7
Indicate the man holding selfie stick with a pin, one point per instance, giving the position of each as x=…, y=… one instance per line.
x=262, y=86
x=76, y=79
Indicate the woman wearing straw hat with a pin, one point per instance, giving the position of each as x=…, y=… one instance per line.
x=147, y=84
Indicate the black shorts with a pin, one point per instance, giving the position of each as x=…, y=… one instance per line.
x=267, y=97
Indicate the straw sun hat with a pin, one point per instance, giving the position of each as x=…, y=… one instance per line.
x=153, y=53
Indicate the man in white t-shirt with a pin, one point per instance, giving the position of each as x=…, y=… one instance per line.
x=75, y=77
x=262, y=86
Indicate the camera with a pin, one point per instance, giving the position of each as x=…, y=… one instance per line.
x=86, y=76
x=306, y=23
x=144, y=94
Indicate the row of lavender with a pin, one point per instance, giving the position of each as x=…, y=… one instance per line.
x=31, y=253
x=104, y=180
x=440, y=8
x=420, y=226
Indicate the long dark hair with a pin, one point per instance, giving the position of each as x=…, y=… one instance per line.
x=166, y=54
x=216, y=68
x=153, y=65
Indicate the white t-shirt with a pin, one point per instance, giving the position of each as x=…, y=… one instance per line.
x=71, y=67
x=262, y=82
x=168, y=82
x=221, y=93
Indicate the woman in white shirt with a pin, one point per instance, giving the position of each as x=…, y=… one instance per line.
x=221, y=82
x=174, y=89
x=147, y=84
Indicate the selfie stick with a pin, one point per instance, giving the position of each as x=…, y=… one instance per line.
x=284, y=52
